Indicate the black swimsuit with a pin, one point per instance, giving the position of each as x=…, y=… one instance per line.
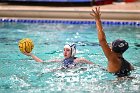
x=125, y=68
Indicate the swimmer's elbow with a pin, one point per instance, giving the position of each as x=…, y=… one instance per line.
x=83, y=60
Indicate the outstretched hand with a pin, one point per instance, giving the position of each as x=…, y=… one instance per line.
x=96, y=13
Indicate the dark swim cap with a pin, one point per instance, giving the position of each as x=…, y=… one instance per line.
x=119, y=46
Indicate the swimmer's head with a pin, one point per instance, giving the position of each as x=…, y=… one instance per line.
x=71, y=49
x=119, y=46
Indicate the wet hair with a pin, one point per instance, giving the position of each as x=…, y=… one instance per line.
x=119, y=46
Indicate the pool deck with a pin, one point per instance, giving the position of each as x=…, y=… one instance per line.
x=115, y=11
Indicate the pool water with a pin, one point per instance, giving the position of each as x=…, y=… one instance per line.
x=21, y=74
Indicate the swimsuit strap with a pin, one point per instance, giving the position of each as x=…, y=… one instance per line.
x=125, y=68
x=125, y=64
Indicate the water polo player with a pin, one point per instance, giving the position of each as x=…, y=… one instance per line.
x=69, y=60
x=69, y=57
x=114, y=54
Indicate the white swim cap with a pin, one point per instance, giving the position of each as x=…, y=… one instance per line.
x=72, y=48
x=67, y=46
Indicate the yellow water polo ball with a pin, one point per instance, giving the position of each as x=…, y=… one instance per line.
x=26, y=45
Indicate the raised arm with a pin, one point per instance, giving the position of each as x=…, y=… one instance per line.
x=34, y=57
x=101, y=35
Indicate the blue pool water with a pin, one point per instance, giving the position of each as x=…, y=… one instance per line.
x=21, y=74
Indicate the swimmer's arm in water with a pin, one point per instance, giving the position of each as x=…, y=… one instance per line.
x=101, y=35
x=83, y=60
x=55, y=60
x=34, y=57
x=40, y=60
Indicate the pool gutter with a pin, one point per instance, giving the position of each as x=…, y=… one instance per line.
x=106, y=14
x=82, y=13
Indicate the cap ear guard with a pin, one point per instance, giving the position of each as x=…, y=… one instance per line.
x=73, y=50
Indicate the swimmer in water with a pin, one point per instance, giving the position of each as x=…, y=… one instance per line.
x=69, y=61
x=114, y=54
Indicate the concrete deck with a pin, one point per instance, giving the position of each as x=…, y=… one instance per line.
x=115, y=11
